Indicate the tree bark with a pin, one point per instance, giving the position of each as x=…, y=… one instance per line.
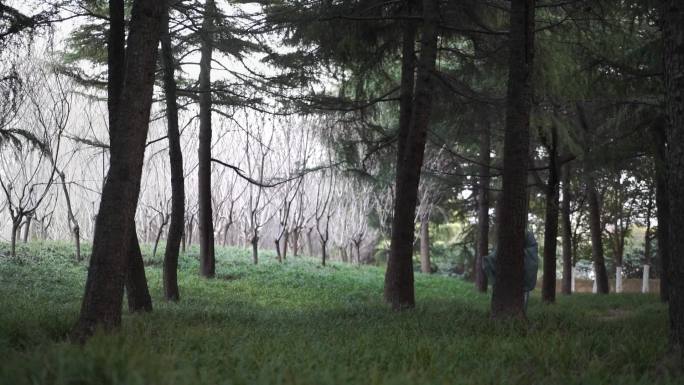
x=551, y=222
x=205, y=217
x=399, y=286
x=279, y=254
x=101, y=306
x=566, y=287
x=507, y=297
x=75, y=228
x=173, y=240
x=673, y=31
x=27, y=228
x=425, y=244
x=137, y=292
x=601, y=275
x=255, y=249
x=662, y=206
x=483, y=208
x=645, y=285
x=286, y=238
x=595, y=228
x=160, y=230
x=13, y=237
x=324, y=252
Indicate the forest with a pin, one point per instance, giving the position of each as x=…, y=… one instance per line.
x=341, y=192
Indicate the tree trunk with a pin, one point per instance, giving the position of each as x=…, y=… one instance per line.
x=358, y=252
x=183, y=241
x=399, y=287
x=673, y=30
x=101, y=306
x=425, y=244
x=191, y=229
x=285, y=241
x=601, y=275
x=645, y=284
x=507, y=297
x=255, y=251
x=138, y=294
x=483, y=209
x=566, y=287
x=295, y=242
x=551, y=222
x=662, y=206
x=75, y=228
x=344, y=255
x=279, y=255
x=77, y=241
x=27, y=228
x=16, y=224
x=177, y=222
x=324, y=255
x=226, y=228
x=309, y=242
x=205, y=218
x=158, y=237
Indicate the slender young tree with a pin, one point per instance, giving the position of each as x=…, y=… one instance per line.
x=175, y=235
x=507, y=297
x=102, y=301
x=594, y=205
x=205, y=218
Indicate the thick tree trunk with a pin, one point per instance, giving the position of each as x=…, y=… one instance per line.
x=205, y=218
x=551, y=222
x=177, y=222
x=399, y=287
x=103, y=296
x=483, y=208
x=566, y=286
x=425, y=244
x=139, y=299
x=673, y=30
x=507, y=297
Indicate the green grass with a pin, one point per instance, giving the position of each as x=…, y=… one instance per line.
x=299, y=323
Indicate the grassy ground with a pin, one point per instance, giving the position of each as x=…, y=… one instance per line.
x=299, y=323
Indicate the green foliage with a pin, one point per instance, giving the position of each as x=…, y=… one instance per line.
x=305, y=324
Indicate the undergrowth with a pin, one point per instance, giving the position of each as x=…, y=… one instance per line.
x=300, y=323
